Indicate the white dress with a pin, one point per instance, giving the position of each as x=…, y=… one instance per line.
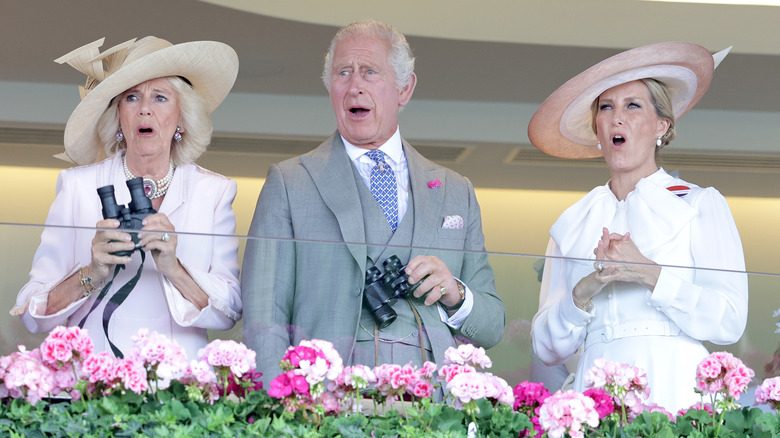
x=660, y=330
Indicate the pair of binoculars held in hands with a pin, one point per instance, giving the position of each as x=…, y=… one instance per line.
x=131, y=216
x=383, y=289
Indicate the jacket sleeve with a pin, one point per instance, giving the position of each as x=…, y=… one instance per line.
x=220, y=278
x=714, y=305
x=485, y=324
x=60, y=254
x=268, y=276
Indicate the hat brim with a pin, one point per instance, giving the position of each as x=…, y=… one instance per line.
x=211, y=67
x=561, y=126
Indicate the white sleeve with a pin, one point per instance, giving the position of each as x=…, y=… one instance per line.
x=714, y=306
x=219, y=281
x=559, y=327
x=56, y=259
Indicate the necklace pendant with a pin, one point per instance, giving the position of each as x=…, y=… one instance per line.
x=150, y=188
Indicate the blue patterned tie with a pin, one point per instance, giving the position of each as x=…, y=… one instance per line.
x=384, y=188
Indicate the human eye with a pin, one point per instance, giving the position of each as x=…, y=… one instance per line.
x=130, y=97
x=161, y=98
x=605, y=106
x=634, y=105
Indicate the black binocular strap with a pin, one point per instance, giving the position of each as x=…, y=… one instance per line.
x=114, y=302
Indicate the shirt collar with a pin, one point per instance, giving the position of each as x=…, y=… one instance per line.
x=393, y=148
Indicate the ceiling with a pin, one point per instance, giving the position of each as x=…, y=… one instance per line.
x=505, y=51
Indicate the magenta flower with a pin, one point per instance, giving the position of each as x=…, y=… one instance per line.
x=434, y=184
x=605, y=405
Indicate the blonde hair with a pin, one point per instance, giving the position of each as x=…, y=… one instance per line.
x=195, y=121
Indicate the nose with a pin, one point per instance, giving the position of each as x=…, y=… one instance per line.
x=356, y=85
x=617, y=119
x=145, y=108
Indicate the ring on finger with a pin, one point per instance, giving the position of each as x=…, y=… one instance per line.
x=442, y=290
x=600, y=266
x=165, y=237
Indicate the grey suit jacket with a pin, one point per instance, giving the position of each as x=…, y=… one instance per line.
x=304, y=265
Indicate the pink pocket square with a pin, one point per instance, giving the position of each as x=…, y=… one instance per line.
x=454, y=222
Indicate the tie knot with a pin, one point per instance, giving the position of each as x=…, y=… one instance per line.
x=376, y=155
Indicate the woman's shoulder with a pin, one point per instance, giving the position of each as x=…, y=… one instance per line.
x=203, y=173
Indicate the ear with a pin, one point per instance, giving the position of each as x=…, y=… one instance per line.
x=405, y=93
x=663, y=126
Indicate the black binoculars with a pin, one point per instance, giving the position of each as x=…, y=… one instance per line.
x=130, y=216
x=382, y=290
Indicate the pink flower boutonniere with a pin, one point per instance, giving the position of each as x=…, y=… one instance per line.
x=434, y=184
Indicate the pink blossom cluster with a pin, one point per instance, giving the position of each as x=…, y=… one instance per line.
x=567, y=412
x=722, y=373
x=769, y=393
x=627, y=384
x=393, y=381
x=66, y=360
x=529, y=397
x=26, y=376
x=108, y=374
x=350, y=382
x=234, y=367
x=64, y=344
x=230, y=354
x=467, y=385
x=306, y=366
x=163, y=358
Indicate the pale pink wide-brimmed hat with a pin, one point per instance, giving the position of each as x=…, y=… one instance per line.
x=562, y=125
x=210, y=67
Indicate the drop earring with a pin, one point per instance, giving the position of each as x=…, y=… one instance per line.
x=119, y=135
x=599, y=146
x=658, y=142
x=177, y=134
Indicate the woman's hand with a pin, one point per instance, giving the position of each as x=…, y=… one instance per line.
x=439, y=280
x=104, y=243
x=633, y=266
x=162, y=246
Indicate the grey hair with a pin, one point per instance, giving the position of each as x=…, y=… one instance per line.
x=401, y=57
x=195, y=117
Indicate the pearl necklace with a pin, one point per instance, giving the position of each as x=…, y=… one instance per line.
x=152, y=189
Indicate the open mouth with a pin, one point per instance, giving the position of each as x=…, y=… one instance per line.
x=358, y=111
x=618, y=140
x=145, y=130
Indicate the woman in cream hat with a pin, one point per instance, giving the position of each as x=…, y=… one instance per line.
x=618, y=282
x=145, y=114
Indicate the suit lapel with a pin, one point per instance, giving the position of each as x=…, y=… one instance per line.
x=427, y=201
x=329, y=168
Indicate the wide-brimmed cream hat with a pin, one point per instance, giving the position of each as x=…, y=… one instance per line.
x=209, y=66
x=562, y=125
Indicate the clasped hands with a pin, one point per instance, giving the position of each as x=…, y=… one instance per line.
x=630, y=265
x=440, y=285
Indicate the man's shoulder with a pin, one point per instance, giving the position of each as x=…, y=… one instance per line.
x=320, y=152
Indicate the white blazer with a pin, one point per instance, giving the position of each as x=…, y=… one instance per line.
x=198, y=203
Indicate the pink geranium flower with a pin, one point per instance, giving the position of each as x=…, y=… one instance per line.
x=567, y=412
x=722, y=375
x=769, y=393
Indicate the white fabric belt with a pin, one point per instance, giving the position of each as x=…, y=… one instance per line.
x=647, y=328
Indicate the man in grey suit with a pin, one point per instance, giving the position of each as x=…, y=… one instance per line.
x=325, y=217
